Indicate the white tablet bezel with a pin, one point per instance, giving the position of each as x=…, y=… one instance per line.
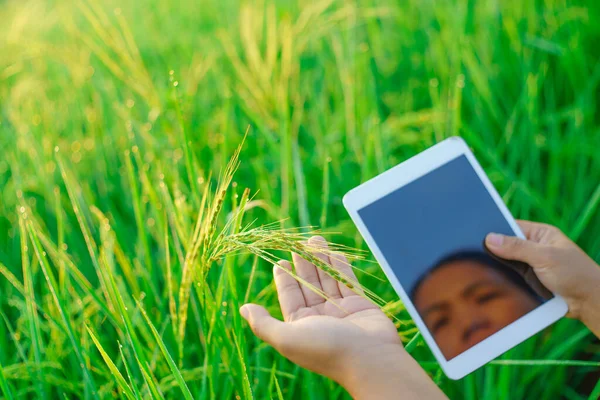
x=401, y=175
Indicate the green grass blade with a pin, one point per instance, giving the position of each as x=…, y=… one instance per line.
x=246, y=381
x=595, y=394
x=412, y=344
x=300, y=181
x=182, y=385
x=279, y=394
x=129, y=327
x=59, y=258
x=4, y=385
x=52, y=285
x=587, y=214
x=149, y=379
x=136, y=392
x=138, y=212
x=32, y=315
x=111, y=365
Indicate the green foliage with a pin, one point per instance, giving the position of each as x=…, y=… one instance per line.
x=123, y=261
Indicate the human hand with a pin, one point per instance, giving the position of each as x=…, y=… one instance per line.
x=344, y=337
x=559, y=264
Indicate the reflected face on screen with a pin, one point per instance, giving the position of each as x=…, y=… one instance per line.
x=465, y=301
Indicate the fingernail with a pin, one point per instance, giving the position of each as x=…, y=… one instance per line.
x=244, y=312
x=495, y=239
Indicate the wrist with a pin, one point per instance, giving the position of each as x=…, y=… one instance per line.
x=369, y=361
x=385, y=371
x=589, y=310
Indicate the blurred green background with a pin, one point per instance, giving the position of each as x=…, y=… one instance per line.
x=113, y=115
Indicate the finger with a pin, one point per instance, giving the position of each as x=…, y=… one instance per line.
x=340, y=263
x=308, y=273
x=529, y=228
x=514, y=248
x=538, y=232
x=273, y=331
x=290, y=295
x=329, y=285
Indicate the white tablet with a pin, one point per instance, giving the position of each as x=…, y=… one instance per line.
x=425, y=220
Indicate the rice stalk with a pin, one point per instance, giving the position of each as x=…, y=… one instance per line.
x=54, y=290
x=135, y=390
x=4, y=385
x=111, y=365
x=33, y=318
x=195, y=265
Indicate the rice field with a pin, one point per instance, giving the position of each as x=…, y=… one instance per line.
x=157, y=157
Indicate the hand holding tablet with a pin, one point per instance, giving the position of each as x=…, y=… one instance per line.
x=425, y=221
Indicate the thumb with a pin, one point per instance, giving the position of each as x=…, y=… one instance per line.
x=264, y=326
x=514, y=248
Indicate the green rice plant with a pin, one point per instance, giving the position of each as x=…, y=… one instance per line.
x=123, y=385
x=51, y=281
x=125, y=278
x=4, y=385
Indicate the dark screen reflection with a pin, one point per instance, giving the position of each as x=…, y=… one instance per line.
x=431, y=233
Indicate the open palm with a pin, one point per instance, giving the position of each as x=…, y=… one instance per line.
x=321, y=334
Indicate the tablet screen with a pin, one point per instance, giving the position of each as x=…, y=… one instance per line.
x=431, y=233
